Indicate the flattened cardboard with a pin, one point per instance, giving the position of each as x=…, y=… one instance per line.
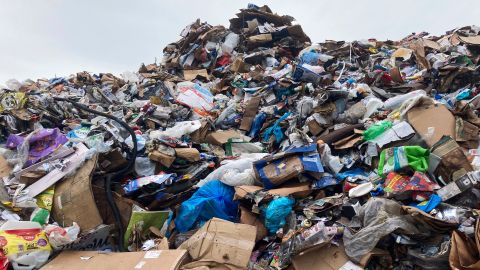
x=296, y=190
x=326, y=257
x=145, y=260
x=470, y=40
x=435, y=120
x=224, y=242
x=191, y=74
x=250, y=113
x=5, y=168
x=73, y=200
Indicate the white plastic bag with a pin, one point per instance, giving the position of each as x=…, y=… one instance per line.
x=177, y=131
x=235, y=172
x=58, y=236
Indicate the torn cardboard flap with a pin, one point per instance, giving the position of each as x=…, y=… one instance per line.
x=247, y=217
x=73, y=200
x=192, y=74
x=224, y=242
x=145, y=260
x=250, y=113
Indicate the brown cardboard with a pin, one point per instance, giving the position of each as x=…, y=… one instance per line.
x=199, y=135
x=435, y=120
x=249, y=218
x=224, y=242
x=189, y=75
x=189, y=154
x=326, y=257
x=291, y=166
x=5, y=168
x=471, y=40
x=161, y=158
x=250, y=113
x=221, y=137
x=73, y=200
x=296, y=190
x=314, y=127
x=465, y=252
x=238, y=65
x=145, y=260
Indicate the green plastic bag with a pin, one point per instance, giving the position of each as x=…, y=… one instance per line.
x=376, y=129
x=399, y=158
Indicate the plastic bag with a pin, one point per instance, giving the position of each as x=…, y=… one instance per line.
x=376, y=219
x=276, y=212
x=376, y=130
x=236, y=172
x=398, y=158
x=214, y=199
x=144, y=166
x=24, y=243
x=177, y=131
x=230, y=43
x=58, y=236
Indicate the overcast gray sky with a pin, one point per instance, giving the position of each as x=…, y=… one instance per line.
x=44, y=38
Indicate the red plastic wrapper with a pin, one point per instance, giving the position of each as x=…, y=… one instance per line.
x=419, y=186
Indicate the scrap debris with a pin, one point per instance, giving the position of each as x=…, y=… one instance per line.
x=250, y=147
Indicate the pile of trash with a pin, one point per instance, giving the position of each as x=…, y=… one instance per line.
x=250, y=147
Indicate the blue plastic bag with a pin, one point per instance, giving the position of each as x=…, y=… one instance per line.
x=214, y=199
x=276, y=213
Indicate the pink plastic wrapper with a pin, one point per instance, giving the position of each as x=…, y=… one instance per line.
x=41, y=144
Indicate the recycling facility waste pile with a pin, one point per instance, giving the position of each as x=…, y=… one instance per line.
x=250, y=147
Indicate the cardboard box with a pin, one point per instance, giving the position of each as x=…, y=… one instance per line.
x=277, y=169
x=222, y=242
x=149, y=260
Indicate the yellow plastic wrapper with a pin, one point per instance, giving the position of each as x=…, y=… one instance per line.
x=23, y=240
x=45, y=199
x=12, y=101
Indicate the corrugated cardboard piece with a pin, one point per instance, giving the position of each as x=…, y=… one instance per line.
x=328, y=257
x=222, y=242
x=432, y=122
x=149, y=260
x=74, y=201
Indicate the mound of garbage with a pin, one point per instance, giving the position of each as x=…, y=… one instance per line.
x=250, y=147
